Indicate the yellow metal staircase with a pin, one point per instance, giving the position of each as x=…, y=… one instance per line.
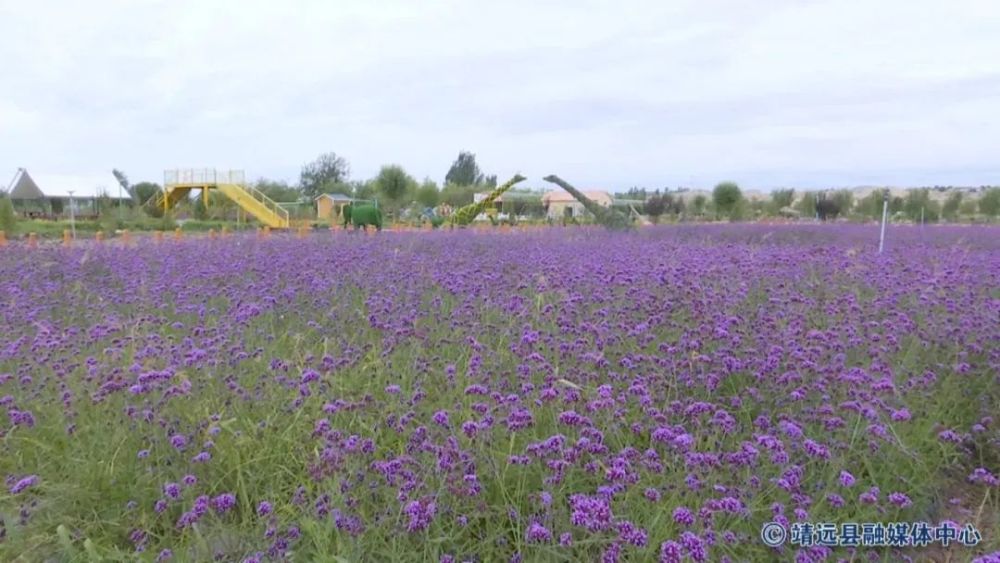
x=177, y=184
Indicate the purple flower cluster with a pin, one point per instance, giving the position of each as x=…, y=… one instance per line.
x=22, y=484
x=590, y=512
x=419, y=514
x=572, y=393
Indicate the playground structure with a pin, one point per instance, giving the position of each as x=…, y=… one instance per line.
x=178, y=184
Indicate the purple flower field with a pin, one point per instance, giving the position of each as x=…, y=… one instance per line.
x=564, y=395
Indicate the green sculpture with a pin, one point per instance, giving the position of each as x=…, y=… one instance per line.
x=610, y=218
x=464, y=215
x=362, y=216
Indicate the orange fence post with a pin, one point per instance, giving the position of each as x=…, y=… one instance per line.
x=211, y=234
x=67, y=237
x=3, y=238
x=177, y=233
x=32, y=240
x=158, y=236
x=99, y=236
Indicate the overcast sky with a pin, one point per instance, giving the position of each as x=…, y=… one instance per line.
x=605, y=94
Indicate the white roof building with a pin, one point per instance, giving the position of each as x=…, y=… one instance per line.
x=48, y=186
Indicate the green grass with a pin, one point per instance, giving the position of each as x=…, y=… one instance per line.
x=55, y=229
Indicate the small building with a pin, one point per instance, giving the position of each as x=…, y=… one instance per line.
x=560, y=203
x=331, y=206
x=49, y=195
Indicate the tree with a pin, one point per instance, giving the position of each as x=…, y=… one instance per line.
x=457, y=195
x=896, y=205
x=781, y=199
x=363, y=189
x=844, y=200
x=427, y=194
x=200, y=211
x=989, y=202
x=826, y=208
x=807, y=205
x=655, y=207
x=8, y=221
x=327, y=168
x=968, y=207
x=871, y=205
x=727, y=196
x=464, y=171
x=679, y=207
x=952, y=205
x=633, y=193
x=523, y=202
x=393, y=182
x=332, y=188
x=104, y=203
x=698, y=204
x=918, y=203
x=144, y=191
x=826, y=205
x=278, y=190
x=672, y=205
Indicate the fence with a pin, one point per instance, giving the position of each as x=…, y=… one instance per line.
x=203, y=176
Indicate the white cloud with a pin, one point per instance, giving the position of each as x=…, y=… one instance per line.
x=647, y=93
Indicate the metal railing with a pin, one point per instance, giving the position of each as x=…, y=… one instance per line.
x=267, y=202
x=203, y=176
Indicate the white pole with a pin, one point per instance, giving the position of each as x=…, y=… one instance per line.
x=885, y=214
x=72, y=217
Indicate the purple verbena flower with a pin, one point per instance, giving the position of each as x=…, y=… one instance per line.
x=24, y=483
x=683, y=516
x=172, y=490
x=592, y=513
x=846, y=479
x=538, y=533
x=900, y=499
x=178, y=441
x=224, y=503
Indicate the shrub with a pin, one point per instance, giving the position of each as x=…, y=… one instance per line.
x=8, y=221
